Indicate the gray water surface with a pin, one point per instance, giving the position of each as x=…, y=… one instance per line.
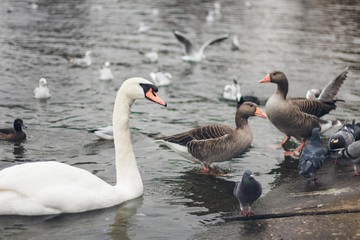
x=311, y=41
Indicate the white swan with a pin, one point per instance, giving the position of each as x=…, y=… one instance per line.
x=42, y=188
x=42, y=91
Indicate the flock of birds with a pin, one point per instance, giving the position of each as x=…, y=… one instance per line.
x=51, y=187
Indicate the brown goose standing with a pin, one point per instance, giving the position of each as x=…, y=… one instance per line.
x=216, y=143
x=296, y=117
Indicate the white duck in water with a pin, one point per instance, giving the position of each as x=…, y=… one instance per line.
x=81, y=62
x=105, y=72
x=50, y=187
x=42, y=91
x=161, y=78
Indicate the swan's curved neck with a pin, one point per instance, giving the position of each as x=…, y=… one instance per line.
x=127, y=173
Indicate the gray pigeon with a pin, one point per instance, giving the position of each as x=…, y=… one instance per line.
x=247, y=191
x=352, y=152
x=312, y=156
x=342, y=138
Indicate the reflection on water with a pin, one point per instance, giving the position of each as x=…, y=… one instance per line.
x=308, y=40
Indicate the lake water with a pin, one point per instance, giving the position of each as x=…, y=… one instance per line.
x=311, y=41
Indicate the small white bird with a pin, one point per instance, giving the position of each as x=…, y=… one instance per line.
x=217, y=9
x=196, y=56
x=143, y=27
x=235, y=45
x=105, y=133
x=105, y=72
x=42, y=91
x=161, y=78
x=232, y=91
x=82, y=62
x=152, y=56
x=210, y=17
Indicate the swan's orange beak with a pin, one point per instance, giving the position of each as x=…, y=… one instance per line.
x=152, y=96
x=260, y=113
x=266, y=79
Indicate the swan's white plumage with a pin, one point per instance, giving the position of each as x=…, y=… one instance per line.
x=42, y=188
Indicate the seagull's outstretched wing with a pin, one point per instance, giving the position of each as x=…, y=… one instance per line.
x=332, y=88
x=182, y=39
x=213, y=41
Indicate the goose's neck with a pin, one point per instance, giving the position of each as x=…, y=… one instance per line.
x=241, y=122
x=282, y=88
x=127, y=173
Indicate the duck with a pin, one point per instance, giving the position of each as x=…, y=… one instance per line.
x=51, y=187
x=42, y=91
x=196, y=56
x=216, y=142
x=161, y=79
x=81, y=62
x=296, y=117
x=14, y=134
x=330, y=90
x=105, y=72
x=247, y=191
x=232, y=92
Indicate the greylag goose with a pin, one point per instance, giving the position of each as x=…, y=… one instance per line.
x=296, y=117
x=331, y=89
x=196, y=56
x=247, y=191
x=52, y=187
x=14, y=134
x=216, y=143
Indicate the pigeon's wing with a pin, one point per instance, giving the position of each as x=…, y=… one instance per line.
x=186, y=42
x=332, y=88
x=213, y=41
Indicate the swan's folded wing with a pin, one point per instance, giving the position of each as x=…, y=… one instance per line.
x=313, y=107
x=332, y=88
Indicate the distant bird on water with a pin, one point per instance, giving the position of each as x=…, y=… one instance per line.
x=312, y=156
x=105, y=72
x=42, y=91
x=247, y=191
x=330, y=90
x=14, y=134
x=161, y=79
x=232, y=92
x=81, y=62
x=196, y=56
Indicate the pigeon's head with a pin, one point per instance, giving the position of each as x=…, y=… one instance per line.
x=248, y=174
x=337, y=142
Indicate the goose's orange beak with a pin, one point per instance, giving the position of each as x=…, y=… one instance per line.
x=152, y=96
x=266, y=79
x=260, y=113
